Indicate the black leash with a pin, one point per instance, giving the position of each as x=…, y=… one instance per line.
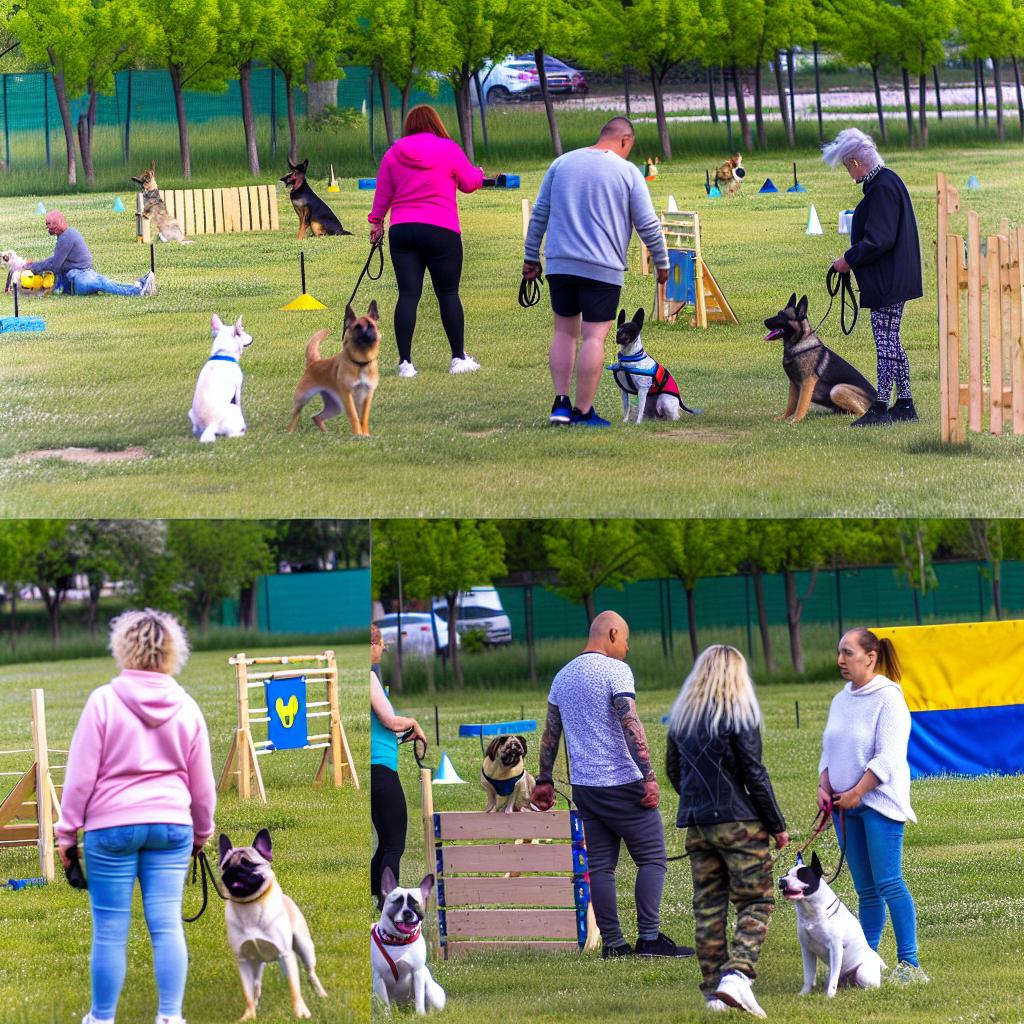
x=836, y=283
x=529, y=290
x=378, y=248
x=201, y=865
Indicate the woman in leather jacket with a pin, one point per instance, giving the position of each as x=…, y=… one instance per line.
x=729, y=811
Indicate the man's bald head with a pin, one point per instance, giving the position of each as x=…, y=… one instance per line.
x=609, y=634
x=617, y=137
x=617, y=127
x=56, y=222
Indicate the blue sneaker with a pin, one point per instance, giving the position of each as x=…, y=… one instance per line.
x=561, y=411
x=589, y=419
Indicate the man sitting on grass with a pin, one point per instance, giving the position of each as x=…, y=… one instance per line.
x=71, y=264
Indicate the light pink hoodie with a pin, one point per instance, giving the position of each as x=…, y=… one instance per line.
x=140, y=755
x=417, y=179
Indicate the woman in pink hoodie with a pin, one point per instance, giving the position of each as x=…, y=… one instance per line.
x=416, y=182
x=140, y=782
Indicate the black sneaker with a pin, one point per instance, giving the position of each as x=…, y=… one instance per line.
x=903, y=411
x=588, y=418
x=876, y=416
x=561, y=411
x=661, y=946
x=620, y=949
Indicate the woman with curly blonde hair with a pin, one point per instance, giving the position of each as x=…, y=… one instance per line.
x=139, y=782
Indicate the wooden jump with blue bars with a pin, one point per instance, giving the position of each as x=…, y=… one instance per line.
x=498, y=729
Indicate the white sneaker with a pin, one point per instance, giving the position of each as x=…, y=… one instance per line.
x=406, y=369
x=467, y=364
x=90, y=1019
x=148, y=284
x=907, y=974
x=716, y=1005
x=161, y=1019
x=734, y=989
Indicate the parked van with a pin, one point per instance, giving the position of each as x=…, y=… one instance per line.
x=480, y=608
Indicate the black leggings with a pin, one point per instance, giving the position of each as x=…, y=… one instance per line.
x=416, y=248
x=390, y=821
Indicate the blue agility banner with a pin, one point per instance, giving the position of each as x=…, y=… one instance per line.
x=286, y=711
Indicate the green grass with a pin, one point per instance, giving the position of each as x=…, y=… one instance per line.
x=320, y=859
x=958, y=864
x=112, y=372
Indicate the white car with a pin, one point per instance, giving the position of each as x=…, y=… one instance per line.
x=513, y=77
x=419, y=635
x=480, y=608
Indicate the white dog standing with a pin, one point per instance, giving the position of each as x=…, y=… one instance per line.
x=398, y=951
x=829, y=932
x=217, y=404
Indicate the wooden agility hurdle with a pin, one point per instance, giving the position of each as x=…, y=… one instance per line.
x=507, y=881
x=29, y=811
x=242, y=768
x=214, y=211
x=992, y=277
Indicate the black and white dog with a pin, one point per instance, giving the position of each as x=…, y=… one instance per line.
x=398, y=951
x=637, y=373
x=828, y=931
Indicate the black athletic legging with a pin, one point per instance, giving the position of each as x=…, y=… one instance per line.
x=390, y=821
x=416, y=248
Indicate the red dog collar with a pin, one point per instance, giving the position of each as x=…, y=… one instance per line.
x=392, y=940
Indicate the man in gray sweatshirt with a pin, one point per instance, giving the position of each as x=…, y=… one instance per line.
x=71, y=264
x=589, y=202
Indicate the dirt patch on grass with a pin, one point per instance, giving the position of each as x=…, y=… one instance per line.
x=700, y=436
x=89, y=455
x=483, y=433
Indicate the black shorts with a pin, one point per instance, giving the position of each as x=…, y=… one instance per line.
x=597, y=301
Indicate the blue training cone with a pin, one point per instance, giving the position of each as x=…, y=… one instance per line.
x=40, y=208
x=768, y=186
x=446, y=775
x=118, y=205
x=973, y=184
x=714, y=192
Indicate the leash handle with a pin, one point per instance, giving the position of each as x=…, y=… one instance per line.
x=201, y=866
x=837, y=283
x=529, y=289
x=375, y=247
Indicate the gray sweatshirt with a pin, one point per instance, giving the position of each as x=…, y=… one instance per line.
x=70, y=253
x=589, y=202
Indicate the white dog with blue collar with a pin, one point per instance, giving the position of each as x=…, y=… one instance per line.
x=217, y=403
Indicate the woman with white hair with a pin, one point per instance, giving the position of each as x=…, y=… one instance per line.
x=139, y=781
x=729, y=811
x=885, y=257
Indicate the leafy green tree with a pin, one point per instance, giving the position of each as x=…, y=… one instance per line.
x=989, y=33
x=48, y=565
x=15, y=564
x=924, y=27
x=734, y=31
x=787, y=24
x=323, y=542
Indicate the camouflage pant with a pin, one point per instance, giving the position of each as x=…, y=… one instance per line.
x=730, y=863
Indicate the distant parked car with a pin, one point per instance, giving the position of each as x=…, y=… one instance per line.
x=561, y=77
x=516, y=78
x=480, y=608
x=419, y=635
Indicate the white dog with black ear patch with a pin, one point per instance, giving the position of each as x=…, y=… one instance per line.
x=398, y=951
x=829, y=932
x=217, y=403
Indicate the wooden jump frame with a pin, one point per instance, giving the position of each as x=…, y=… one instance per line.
x=530, y=891
x=214, y=211
x=242, y=767
x=28, y=812
x=997, y=346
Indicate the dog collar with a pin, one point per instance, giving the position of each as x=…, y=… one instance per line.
x=633, y=359
x=503, y=786
x=361, y=363
x=392, y=940
x=221, y=357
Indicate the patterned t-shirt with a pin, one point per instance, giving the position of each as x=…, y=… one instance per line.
x=583, y=692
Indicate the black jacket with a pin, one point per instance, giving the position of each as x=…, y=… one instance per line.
x=720, y=778
x=885, y=253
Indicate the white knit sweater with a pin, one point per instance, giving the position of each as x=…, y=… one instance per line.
x=868, y=729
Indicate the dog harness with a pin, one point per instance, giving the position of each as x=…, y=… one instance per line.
x=662, y=382
x=392, y=940
x=503, y=787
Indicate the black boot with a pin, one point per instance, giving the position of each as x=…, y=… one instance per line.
x=903, y=411
x=876, y=416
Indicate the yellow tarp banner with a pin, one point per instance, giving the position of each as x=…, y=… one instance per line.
x=961, y=665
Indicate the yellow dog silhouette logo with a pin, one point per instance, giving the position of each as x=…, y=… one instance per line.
x=287, y=712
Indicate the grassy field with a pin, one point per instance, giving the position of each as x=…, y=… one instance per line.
x=958, y=863
x=112, y=373
x=320, y=859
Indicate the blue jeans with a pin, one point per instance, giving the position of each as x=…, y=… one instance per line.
x=874, y=853
x=88, y=282
x=158, y=855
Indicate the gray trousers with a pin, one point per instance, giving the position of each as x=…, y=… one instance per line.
x=613, y=815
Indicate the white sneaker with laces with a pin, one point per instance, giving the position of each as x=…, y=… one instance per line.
x=907, y=974
x=90, y=1019
x=161, y=1019
x=734, y=989
x=467, y=364
x=406, y=369
x=716, y=1005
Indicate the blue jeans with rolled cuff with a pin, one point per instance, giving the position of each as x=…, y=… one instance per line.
x=88, y=282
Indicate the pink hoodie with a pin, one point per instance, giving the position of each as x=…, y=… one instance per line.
x=417, y=179
x=140, y=755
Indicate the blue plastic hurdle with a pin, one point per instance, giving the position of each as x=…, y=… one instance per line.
x=498, y=729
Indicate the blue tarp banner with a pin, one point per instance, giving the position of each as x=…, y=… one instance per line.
x=286, y=709
x=967, y=741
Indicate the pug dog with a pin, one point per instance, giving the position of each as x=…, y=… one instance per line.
x=264, y=924
x=504, y=775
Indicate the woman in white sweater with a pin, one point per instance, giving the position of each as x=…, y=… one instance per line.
x=864, y=773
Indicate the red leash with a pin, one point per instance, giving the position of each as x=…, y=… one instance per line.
x=395, y=941
x=821, y=824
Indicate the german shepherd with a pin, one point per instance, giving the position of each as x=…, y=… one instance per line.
x=168, y=229
x=816, y=374
x=345, y=381
x=314, y=214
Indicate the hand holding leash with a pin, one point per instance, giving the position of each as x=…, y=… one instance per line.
x=652, y=794
x=824, y=800
x=376, y=233
x=781, y=840
x=662, y=275
x=841, y=266
x=846, y=801
x=531, y=270
x=543, y=796
x=529, y=287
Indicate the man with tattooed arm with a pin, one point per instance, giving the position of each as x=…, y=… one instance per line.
x=593, y=701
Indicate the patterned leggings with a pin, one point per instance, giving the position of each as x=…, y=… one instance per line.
x=892, y=356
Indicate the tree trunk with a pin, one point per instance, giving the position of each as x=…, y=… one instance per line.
x=817, y=98
x=997, y=79
x=406, y=93
x=453, y=643
x=984, y=91
x=790, y=64
x=464, y=113
x=52, y=601
x=65, y=116
x=319, y=94
x=1020, y=99
x=179, y=108
x=248, y=605
x=917, y=605
x=711, y=97
x=741, y=111
x=794, y=609
x=92, y=611
x=997, y=586
x=762, y=619
x=248, y=119
x=977, y=97
x=549, y=107
x=293, y=134
x=691, y=619
x=482, y=103
x=385, y=103
x=85, y=147
x=878, y=104
x=909, y=109
x=205, y=607
x=588, y=607
x=783, y=107
x=14, y=610
x=938, y=92
x=922, y=104
x=728, y=116
x=762, y=139
x=659, y=113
